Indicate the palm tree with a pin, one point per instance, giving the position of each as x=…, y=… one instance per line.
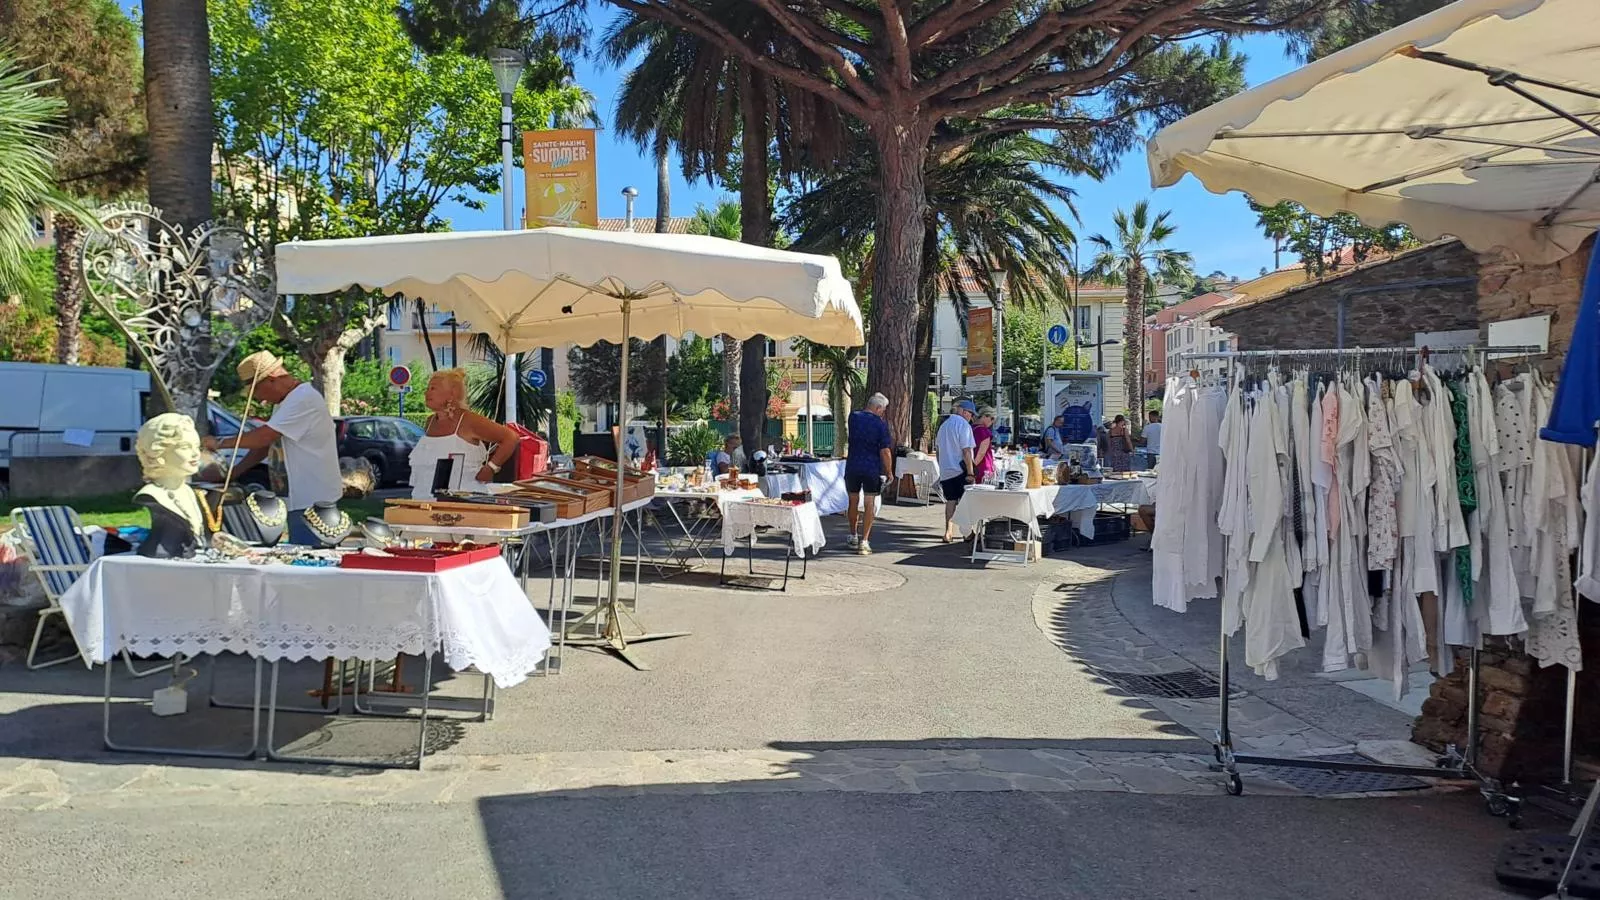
x=725, y=118
x=1135, y=252
x=995, y=207
x=28, y=121
x=846, y=383
x=177, y=92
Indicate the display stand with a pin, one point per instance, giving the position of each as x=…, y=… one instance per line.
x=1453, y=763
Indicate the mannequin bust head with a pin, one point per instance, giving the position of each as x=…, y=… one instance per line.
x=169, y=449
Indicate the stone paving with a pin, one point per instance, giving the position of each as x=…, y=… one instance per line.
x=1076, y=610
x=42, y=785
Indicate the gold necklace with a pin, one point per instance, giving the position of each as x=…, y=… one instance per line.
x=261, y=517
x=332, y=533
x=213, y=522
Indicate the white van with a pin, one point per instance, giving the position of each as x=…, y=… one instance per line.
x=50, y=410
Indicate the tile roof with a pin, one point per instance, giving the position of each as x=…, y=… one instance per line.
x=675, y=224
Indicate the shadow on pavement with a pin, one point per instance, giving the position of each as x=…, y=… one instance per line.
x=663, y=843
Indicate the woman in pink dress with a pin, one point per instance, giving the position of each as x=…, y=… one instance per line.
x=983, y=436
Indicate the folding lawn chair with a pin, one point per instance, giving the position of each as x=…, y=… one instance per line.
x=58, y=553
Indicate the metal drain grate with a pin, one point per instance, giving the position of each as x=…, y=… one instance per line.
x=1190, y=684
x=1321, y=782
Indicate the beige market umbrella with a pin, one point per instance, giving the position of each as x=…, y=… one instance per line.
x=549, y=286
x=1480, y=120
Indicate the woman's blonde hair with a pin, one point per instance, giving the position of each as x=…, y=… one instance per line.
x=161, y=434
x=455, y=380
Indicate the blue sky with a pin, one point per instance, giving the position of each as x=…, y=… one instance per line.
x=1219, y=230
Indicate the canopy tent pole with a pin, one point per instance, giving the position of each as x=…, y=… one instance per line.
x=611, y=636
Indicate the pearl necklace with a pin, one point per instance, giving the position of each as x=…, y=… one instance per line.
x=211, y=523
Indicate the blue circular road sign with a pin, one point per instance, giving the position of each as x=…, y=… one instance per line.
x=536, y=378
x=1057, y=335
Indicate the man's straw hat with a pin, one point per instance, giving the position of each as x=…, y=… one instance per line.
x=259, y=366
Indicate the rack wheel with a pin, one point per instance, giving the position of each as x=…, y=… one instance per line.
x=1497, y=806
x=1235, y=785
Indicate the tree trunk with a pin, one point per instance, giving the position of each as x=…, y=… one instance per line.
x=177, y=96
x=755, y=227
x=841, y=416
x=1133, y=342
x=663, y=184
x=663, y=220
x=69, y=236
x=922, y=367
x=731, y=353
x=897, y=255
x=327, y=375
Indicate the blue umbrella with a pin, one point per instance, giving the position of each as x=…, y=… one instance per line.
x=1576, y=410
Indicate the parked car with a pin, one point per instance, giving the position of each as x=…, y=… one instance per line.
x=383, y=441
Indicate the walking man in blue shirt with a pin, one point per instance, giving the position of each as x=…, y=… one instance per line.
x=867, y=461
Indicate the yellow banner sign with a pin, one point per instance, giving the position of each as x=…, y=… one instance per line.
x=561, y=185
x=980, y=349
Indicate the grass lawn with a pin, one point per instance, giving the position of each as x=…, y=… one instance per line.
x=114, y=510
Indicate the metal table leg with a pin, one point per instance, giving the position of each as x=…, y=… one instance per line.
x=255, y=729
x=271, y=752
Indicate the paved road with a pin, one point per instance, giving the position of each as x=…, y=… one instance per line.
x=840, y=846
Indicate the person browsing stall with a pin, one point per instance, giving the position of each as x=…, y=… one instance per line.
x=868, y=459
x=983, y=444
x=1152, y=438
x=481, y=445
x=954, y=446
x=300, y=419
x=1055, y=444
x=720, y=460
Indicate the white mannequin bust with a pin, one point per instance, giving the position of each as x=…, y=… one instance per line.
x=169, y=452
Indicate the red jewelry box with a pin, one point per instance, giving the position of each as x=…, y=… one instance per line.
x=427, y=560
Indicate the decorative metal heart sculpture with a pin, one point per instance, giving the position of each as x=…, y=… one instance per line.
x=184, y=300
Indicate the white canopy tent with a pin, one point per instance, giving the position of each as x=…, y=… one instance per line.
x=550, y=286
x=1480, y=120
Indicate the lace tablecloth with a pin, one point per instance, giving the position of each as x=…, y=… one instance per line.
x=475, y=615
x=802, y=523
x=1078, y=502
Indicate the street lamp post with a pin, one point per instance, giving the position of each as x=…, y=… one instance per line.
x=507, y=65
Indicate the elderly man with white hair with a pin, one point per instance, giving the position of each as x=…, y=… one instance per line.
x=867, y=461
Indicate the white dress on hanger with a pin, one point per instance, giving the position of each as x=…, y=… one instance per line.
x=1417, y=571
x=1272, y=625
x=1233, y=516
x=1185, y=548
x=1553, y=514
x=1315, y=550
x=1496, y=602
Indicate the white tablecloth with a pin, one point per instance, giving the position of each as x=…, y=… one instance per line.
x=1078, y=502
x=824, y=479
x=723, y=498
x=925, y=471
x=476, y=615
x=801, y=522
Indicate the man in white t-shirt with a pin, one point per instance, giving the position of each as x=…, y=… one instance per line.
x=1152, y=438
x=954, y=445
x=310, y=447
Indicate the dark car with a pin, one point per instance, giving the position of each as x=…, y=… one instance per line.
x=383, y=441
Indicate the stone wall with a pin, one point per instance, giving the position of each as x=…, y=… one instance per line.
x=1522, y=711
x=1307, y=317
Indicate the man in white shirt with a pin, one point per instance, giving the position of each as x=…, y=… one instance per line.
x=1152, y=438
x=954, y=445
x=310, y=448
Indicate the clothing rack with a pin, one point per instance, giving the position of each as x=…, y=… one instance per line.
x=1453, y=763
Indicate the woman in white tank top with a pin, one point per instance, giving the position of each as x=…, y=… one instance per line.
x=484, y=445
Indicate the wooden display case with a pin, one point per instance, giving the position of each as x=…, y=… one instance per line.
x=448, y=514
